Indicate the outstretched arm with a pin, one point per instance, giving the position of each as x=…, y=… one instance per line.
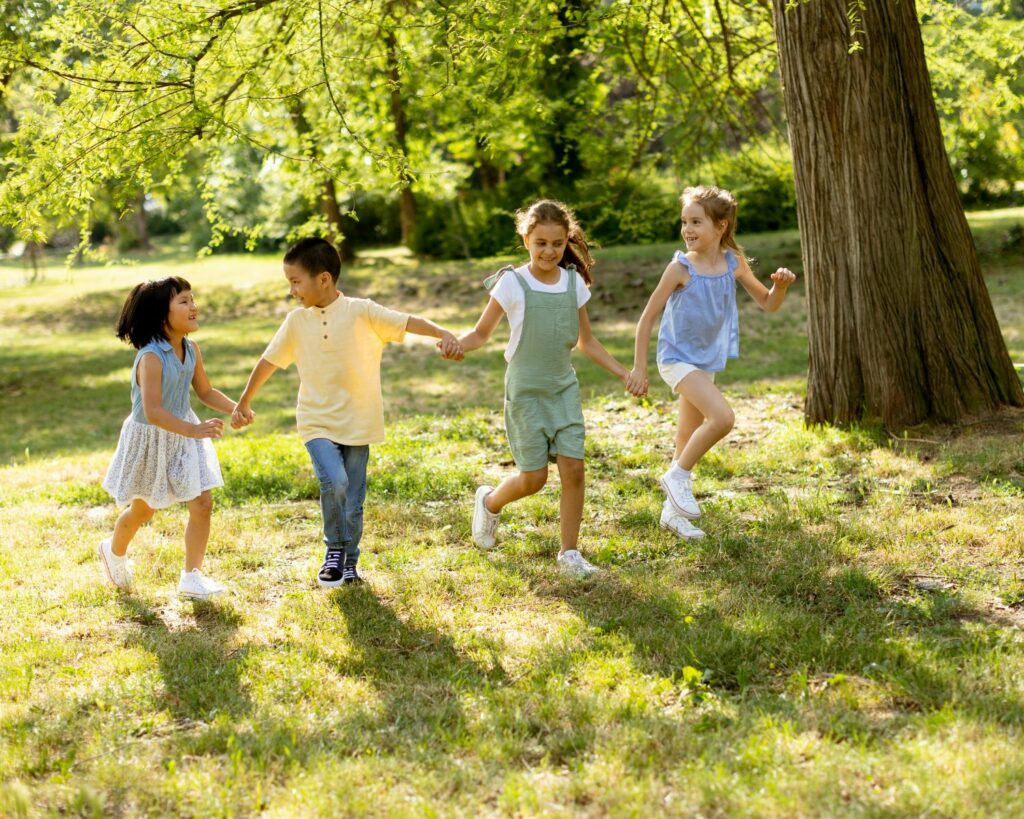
x=205, y=392
x=477, y=337
x=674, y=277
x=449, y=345
x=595, y=351
x=243, y=413
x=767, y=300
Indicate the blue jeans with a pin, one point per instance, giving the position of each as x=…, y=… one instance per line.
x=341, y=471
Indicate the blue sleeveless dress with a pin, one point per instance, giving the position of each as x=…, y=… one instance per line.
x=701, y=324
x=152, y=464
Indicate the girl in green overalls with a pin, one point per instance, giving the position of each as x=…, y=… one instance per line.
x=545, y=305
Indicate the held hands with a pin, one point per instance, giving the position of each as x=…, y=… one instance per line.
x=450, y=347
x=636, y=382
x=783, y=277
x=242, y=417
x=213, y=428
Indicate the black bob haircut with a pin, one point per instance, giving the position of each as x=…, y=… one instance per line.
x=144, y=315
x=315, y=256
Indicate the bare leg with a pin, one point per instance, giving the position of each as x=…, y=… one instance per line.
x=128, y=524
x=707, y=399
x=515, y=487
x=572, y=473
x=690, y=419
x=197, y=532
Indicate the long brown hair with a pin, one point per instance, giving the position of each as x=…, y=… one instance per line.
x=719, y=205
x=550, y=212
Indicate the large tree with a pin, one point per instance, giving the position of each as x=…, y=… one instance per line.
x=900, y=324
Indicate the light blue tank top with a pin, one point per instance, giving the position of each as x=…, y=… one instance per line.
x=700, y=324
x=175, y=382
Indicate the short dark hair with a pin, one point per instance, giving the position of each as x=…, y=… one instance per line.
x=144, y=315
x=315, y=255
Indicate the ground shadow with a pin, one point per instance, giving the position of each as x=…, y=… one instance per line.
x=200, y=667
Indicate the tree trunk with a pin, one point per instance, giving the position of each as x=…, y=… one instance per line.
x=332, y=213
x=140, y=223
x=406, y=201
x=900, y=324
x=328, y=193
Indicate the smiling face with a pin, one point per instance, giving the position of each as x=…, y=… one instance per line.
x=546, y=244
x=309, y=291
x=700, y=232
x=182, y=314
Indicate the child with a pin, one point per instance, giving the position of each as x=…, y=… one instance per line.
x=699, y=331
x=336, y=342
x=164, y=455
x=547, y=317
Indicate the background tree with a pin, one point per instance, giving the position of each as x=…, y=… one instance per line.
x=900, y=323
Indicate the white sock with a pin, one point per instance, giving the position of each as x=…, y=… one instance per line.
x=676, y=471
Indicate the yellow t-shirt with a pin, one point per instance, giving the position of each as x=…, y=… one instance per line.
x=337, y=351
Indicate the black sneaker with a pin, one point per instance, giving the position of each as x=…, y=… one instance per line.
x=332, y=571
x=350, y=575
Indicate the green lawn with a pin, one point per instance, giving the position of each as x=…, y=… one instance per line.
x=845, y=642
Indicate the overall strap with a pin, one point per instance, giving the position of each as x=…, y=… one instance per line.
x=492, y=280
x=571, y=284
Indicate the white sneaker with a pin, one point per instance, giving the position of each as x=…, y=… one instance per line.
x=674, y=522
x=115, y=567
x=575, y=564
x=680, y=494
x=196, y=586
x=485, y=522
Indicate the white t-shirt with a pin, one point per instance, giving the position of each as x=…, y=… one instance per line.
x=509, y=294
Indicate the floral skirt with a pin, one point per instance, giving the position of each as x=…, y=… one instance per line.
x=160, y=467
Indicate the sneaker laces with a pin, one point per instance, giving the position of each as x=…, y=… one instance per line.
x=333, y=559
x=349, y=573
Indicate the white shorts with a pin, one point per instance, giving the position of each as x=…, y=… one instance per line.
x=676, y=371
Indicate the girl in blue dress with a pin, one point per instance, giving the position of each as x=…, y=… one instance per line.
x=699, y=332
x=164, y=455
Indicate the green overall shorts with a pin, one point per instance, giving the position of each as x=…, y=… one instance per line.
x=543, y=413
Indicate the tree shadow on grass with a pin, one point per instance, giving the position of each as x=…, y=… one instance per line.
x=764, y=613
x=200, y=669
x=418, y=671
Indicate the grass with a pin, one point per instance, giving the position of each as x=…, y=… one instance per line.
x=846, y=641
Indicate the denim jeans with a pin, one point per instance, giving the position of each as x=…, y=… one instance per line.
x=341, y=471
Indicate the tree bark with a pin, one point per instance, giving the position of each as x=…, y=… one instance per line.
x=900, y=323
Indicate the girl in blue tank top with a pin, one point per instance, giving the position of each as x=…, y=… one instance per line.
x=164, y=455
x=699, y=332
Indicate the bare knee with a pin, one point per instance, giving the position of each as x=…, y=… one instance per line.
x=142, y=512
x=533, y=482
x=202, y=506
x=722, y=422
x=572, y=472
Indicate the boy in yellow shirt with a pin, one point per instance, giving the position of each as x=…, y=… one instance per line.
x=336, y=343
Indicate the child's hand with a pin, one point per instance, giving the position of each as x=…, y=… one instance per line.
x=636, y=383
x=242, y=417
x=450, y=347
x=783, y=277
x=213, y=428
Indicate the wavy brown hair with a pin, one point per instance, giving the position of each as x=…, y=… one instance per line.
x=550, y=212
